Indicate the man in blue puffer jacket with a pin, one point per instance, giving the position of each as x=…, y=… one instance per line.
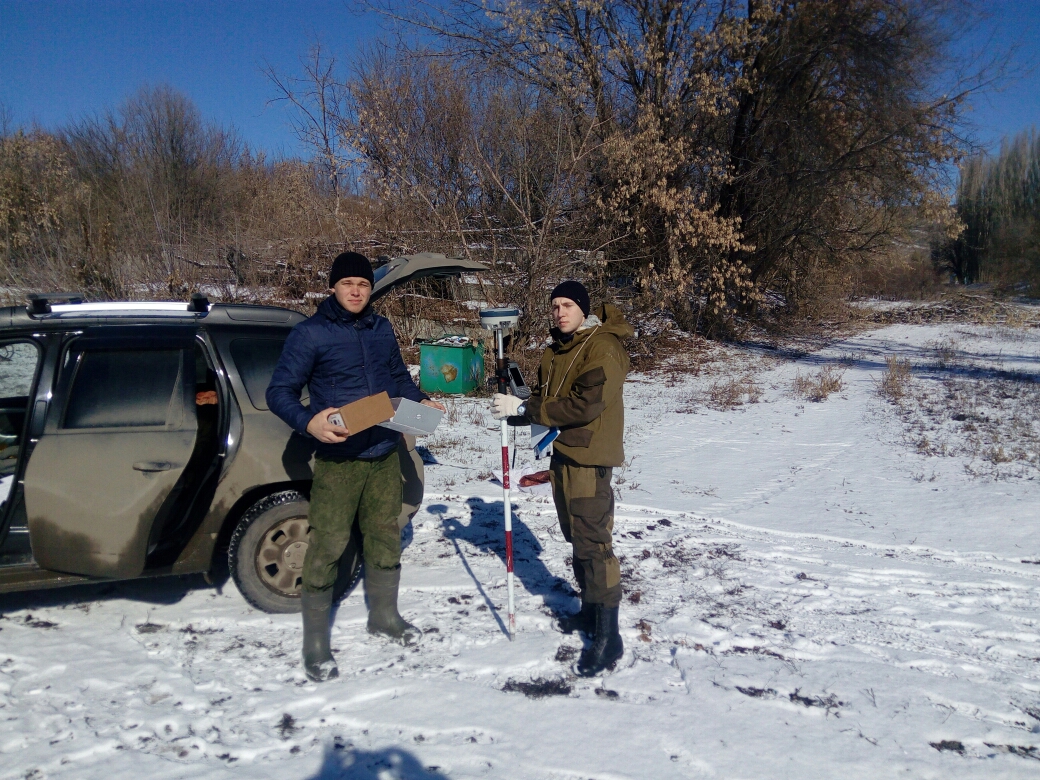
x=343, y=353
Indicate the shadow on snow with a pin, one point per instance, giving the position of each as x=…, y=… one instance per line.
x=160, y=591
x=485, y=533
x=389, y=764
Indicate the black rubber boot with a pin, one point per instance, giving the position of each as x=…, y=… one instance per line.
x=318, y=662
x=606, y=647
x=381, y=586
x=583, y=620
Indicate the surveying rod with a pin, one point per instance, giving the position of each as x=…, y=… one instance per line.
x=508, y=508
x=500, y=320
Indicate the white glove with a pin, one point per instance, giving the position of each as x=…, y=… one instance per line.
x=505, y=406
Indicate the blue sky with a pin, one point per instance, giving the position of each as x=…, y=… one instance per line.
x=1011, y=24
x=62, y=60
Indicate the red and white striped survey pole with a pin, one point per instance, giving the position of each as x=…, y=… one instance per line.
x=505, y=496
x=500, y=320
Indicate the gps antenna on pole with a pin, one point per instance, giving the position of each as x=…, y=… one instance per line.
x=501, y=320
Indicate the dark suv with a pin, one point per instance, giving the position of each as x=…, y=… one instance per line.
x=116, y=463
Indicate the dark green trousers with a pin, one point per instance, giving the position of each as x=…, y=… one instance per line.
x=370, y=489
x=585, y=506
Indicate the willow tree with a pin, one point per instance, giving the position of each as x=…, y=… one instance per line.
x=840, y=131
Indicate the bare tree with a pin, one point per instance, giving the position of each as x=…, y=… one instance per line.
x=317, y=99
x=477, y=163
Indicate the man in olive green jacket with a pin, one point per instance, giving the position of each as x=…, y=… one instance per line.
x=579, y=392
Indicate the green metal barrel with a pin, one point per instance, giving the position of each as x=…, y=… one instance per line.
x=450, y=365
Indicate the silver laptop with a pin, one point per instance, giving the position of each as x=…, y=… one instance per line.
x=414, y=418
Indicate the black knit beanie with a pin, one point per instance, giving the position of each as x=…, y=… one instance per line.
x=576, y=292
x=351, y=264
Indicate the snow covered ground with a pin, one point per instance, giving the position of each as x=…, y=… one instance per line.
x=812, y=592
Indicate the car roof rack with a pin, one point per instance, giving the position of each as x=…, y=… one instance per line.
x=199, y=303
x=40, y=303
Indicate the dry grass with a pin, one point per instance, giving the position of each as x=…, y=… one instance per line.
x=816, y=387
x=993, y=421
x=976, y=308
x=453, y=414
x=621, y=481
x=732, y=392
x=899, y=275
x=658, y=345
x=445, y=444
x=962, y=405
x=895, y=380
x=477, y=417
x=944, y=351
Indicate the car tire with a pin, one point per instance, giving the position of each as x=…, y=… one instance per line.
x=266, y=553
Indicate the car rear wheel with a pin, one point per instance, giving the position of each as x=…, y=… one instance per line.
x=267, y=551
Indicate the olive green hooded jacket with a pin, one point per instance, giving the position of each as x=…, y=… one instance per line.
x=579, y=390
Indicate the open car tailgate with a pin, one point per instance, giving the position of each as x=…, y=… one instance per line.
x=408, y=267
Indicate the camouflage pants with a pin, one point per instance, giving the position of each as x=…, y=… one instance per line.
x=370, y=489
x=585, y=505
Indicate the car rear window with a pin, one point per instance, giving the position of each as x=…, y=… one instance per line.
x=122, y=388
x=256, y=360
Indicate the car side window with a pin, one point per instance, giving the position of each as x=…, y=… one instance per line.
x=123, y=388
x=18, y=363
x=256, y=360
x=17, y=369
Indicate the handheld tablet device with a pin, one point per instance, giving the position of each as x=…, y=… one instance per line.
x=414, y=418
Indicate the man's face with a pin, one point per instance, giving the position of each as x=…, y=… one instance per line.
x=352, y=293
x=567, y=315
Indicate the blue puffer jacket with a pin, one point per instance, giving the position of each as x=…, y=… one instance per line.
x=342, y=357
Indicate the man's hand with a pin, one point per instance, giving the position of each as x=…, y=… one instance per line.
x=504, y=406
x=206, y=397
x=434, y=404
x=321, y=429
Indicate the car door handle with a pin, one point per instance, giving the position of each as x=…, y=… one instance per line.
x=153, y=465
